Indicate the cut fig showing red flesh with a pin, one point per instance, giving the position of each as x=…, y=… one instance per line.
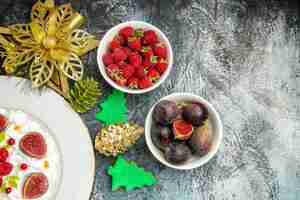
x=3, y=122
x=182, y=130
x=34, y=145
x=35, y=186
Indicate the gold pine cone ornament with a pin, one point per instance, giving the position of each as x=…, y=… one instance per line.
x=118, y=138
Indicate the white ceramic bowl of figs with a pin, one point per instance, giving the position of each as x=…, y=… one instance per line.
x=195, y=160
x=113, y=32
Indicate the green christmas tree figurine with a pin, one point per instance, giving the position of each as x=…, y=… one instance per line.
x=113, y=110
x=129, y=175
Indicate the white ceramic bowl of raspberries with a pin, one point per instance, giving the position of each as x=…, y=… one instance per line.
x=135, y=57
x=183, y=131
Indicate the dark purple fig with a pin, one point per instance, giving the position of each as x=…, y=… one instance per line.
x=195, y=113
x=162, y=131
x=177, y=152
x=165, y=112
x=165, y=132
x=201, y=139
x=161, y=136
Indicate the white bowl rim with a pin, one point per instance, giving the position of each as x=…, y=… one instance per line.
x=202, y=160
x=103, y=44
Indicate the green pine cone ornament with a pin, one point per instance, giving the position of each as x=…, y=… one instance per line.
x=84, y=95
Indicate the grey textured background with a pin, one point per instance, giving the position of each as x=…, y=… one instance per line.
x=241, y=55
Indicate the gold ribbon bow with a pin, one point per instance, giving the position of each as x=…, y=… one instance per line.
x=50, y=45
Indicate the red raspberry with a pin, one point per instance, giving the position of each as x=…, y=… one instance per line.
x=8, y=190
x=112, y=70
x=162, y=65
x=119, y=55
x=107, y=59
x=11, y=141
x=121, y=81
x=133, y=83
x=153, y=75
x=112, y=67
x=128, y=71
x=1, y=181
x=139, y=72
x=127, y=31
x=5, y=168
x=23, y=166
x=144, y=83
x=114, y=44
x=121, y=39
x=149, y=62
x=149, y=38
x=147, y=52
x=121, y=64
x=3, y=155
x=135, y=59
x=3, y=122
x=127, y=50
x=160, y=51
x=134, y=43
